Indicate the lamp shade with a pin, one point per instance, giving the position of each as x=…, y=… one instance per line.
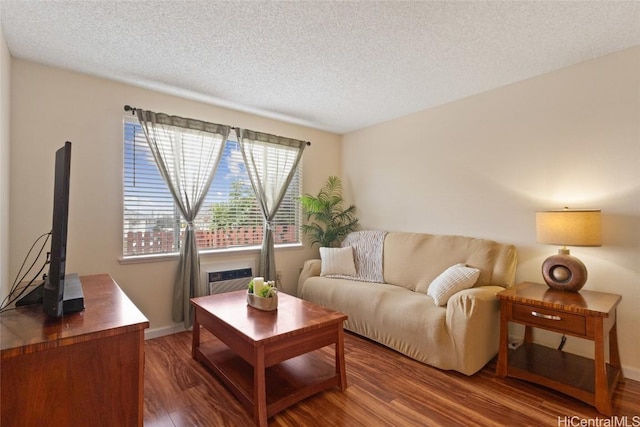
x=569, y=227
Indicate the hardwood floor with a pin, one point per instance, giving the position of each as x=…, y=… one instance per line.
x=385, y=388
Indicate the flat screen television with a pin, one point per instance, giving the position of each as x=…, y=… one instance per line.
x=60, y=293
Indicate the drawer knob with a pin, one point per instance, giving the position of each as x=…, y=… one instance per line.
x=545, y=316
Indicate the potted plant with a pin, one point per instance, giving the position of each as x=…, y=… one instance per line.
x=327, y=221
x=262, y=294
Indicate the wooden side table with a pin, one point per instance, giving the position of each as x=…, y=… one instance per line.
x=585, y=314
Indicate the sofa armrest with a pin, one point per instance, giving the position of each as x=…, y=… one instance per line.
x=311, y=267
x=473, y=322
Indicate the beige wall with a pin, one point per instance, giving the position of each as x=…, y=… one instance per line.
x=5, y=83
x=50, y=106
x=483, y=165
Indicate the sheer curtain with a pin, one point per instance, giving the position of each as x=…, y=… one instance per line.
x=271, y=162
x=187, y=153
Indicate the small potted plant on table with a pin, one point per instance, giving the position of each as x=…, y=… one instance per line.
x=262, y=295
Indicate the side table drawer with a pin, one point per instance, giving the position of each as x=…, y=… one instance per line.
x=550, y=319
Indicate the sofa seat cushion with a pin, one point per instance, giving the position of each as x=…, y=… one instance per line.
x=401, y=319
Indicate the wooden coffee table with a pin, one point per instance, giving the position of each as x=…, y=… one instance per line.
x=279, y=345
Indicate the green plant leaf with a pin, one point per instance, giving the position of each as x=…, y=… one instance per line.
x=327, y=222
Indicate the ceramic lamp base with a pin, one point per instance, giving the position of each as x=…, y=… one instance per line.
x=564, y=272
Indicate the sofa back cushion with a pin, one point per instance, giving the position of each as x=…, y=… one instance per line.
x=413, y=260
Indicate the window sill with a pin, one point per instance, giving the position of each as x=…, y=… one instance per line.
x=227, y=251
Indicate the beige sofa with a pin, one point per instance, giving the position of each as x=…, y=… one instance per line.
x=461, y=335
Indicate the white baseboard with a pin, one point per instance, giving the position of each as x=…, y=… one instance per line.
x=165, y=330
x=632, y=374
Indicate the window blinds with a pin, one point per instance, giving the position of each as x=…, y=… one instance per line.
x=230, y=216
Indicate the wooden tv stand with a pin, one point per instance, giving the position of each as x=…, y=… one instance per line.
x=80, y=369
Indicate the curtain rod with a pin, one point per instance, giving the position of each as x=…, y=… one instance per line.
x=133, y=112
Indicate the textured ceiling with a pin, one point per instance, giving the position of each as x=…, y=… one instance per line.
x=337, y=66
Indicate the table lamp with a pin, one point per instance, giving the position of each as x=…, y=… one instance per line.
x=567, y=227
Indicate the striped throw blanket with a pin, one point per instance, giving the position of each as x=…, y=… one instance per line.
x=367, y=253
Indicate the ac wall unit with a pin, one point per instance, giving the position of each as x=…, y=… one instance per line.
x=228, y=280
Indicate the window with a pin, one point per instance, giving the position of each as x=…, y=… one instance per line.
x=230, y=216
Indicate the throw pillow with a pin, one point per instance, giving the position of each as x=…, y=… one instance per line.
x=337, y=261
x=451, y=281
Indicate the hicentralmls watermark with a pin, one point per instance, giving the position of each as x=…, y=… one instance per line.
x=615, y=421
